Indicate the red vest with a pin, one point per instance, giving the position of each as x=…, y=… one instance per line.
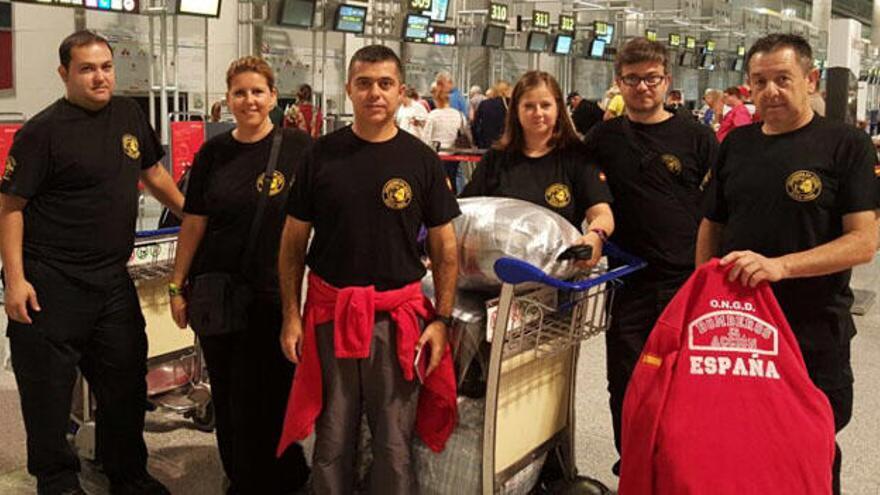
x=720, y=401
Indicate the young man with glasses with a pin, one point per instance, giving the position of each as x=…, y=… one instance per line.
x=655, y=165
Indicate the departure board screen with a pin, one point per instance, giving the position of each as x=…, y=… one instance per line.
x=204, y=8
x=416, y=27
x=562, y=45
x=121, y=6
x=350, y=19
x=438, y=10
x=537, y=42
x=493, y=36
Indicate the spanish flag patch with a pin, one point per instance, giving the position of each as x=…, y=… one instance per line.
x=652, y=360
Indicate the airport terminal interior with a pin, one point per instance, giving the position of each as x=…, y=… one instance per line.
x=171, y=57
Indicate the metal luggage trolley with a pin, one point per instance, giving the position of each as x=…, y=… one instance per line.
x=536, y=332
x=176, y=378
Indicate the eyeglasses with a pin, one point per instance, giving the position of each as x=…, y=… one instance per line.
x=650, y=81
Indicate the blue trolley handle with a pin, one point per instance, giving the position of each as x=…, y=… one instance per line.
x=514, y=271
x=156, y=233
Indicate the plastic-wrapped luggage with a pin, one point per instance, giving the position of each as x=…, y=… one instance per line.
x=457, y=469
x=489, y=228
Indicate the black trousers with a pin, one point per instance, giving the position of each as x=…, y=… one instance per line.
x=100, y=331
x=634, y=312
x=250, y=383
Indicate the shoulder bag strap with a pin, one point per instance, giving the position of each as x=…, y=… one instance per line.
x=263, y=199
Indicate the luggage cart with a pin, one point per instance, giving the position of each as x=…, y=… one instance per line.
x=537, y=325
x=176, y=377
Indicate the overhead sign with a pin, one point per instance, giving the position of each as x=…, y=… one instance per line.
x=120, y=6
x=566, y=23
x=540, y=19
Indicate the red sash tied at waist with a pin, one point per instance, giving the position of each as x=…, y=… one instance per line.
x=353, y=311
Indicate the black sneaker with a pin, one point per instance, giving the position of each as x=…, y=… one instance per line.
x=141, y=485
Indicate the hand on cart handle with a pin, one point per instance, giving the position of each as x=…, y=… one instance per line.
x=435, y=336
x=17, y=297
x=595, y=242
x=291, y=340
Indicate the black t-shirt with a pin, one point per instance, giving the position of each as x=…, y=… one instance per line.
x=561, y=180
x=225, y=185
x=586, y=115
x=786, y=193
x=79, y=170
x=366, y=202
x=655, y=172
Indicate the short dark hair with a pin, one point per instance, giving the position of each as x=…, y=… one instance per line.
x=638, y=50
x=84, y=37
x=513, y=138
x=734, y=91
x=776, y=41
x=373, y=54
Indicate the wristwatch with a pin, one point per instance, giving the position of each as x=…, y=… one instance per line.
x=446, y=320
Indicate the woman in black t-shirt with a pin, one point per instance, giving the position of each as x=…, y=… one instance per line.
x=539, y=158
x=250, y=378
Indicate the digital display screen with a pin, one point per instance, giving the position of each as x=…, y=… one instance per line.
x=540, y=19
x=493, y=36
x=562, y=45
x=738, y=65
x=297, y=13
x=537, y=42
x=608, y=35
x=566, y=23
x=687, y=59
x=650, y=35
x=741, y=50
x=690, y=42
x=674, y=39
x=419, y=5
x=440, y=35
x=205, y=8
x=121, y=6
x=416, y=27
x=708, y=61
x=710, y=46
x=597, y=48
x=438, y=10
x=497, y=12
x=350, y=19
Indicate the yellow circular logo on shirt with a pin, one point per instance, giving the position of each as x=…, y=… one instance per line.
x=396, y=194
x=277, y=184
x=557, y=195
x=131, y=146
x=803, y=186
x=10, y=167
x=672, y=163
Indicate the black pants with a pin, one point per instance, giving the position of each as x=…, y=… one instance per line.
x=101, y=331
x=250, y=383
x=634, y=312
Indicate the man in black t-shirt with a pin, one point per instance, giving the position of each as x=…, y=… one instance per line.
x=69, y=205
x=655, y=163
x=793, y=202
x=366, y=190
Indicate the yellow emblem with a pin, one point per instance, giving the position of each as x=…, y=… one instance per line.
x=557, y=195
x=277, y=184
x=10, y=167
x=396, y=194
x=130, y=146
x=803, y=186
x=672, y=163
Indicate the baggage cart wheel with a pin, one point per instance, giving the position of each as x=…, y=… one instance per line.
x=203, y=417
